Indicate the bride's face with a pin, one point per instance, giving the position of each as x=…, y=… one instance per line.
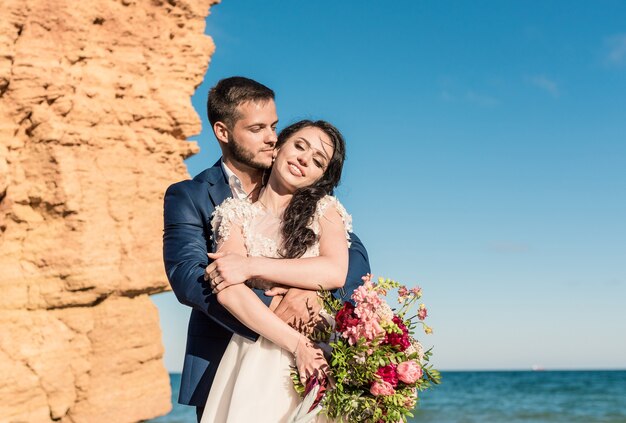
x=303, y=158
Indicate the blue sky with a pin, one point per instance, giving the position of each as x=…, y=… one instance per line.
x=486, y=160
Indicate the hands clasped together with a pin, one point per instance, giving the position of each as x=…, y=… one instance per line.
x=228, y=269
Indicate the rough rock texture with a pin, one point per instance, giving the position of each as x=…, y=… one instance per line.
x=95, y=111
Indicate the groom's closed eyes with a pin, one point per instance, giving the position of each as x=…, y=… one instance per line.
x=258, y=127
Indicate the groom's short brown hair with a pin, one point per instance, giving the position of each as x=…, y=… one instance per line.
x=229, y=93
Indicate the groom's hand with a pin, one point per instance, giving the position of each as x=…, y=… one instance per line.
x=300, y=308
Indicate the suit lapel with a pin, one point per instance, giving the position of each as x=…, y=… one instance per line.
x=219, y=193
x=219, y=190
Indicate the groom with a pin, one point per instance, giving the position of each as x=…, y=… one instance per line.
x=243, y=116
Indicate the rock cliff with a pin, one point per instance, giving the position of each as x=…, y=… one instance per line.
x=95, y=111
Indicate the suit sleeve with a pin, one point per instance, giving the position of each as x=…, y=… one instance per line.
x=358, y=266
x=185, y=247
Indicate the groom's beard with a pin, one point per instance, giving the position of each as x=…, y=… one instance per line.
x=246, y=157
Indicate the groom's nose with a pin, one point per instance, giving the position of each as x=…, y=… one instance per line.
x=271, y=137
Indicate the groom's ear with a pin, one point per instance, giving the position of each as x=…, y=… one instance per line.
x=221, y=131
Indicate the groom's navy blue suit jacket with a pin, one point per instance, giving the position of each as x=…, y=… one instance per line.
x=186, y=240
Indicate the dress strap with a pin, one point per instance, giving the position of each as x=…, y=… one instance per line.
x=323, y=205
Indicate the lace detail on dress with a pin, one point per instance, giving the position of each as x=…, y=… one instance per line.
x=232, y=211
x=322, y=206
x=261, y=246
x=261, y=229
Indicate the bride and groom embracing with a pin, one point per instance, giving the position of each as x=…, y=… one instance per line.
x=246, y=244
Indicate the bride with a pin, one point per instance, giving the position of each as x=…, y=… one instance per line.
x=295, y=235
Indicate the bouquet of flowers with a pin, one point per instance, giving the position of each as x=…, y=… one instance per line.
x=376, y=364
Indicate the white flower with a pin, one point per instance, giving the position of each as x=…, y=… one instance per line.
x=384, y=313
x=360, y=358
x=415, y=347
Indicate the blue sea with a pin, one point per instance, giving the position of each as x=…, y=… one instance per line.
x=503, y=397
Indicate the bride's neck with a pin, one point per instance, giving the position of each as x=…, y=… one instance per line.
x=274, y=200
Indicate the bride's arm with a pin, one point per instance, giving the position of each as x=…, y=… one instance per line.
x=327, y=271
x=246, y=306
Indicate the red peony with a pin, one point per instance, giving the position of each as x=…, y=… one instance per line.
x=346, y=318
x=389, y=374
x=396, y=339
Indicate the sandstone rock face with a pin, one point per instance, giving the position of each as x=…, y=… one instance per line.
x=95, y=111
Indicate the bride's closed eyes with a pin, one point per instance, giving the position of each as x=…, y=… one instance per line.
x=318, y=158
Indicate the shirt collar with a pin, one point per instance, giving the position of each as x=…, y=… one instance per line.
x=234, y=182
x=229, y=173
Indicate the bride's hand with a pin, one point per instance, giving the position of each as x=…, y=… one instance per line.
x=310, y=360
x=276, y=291
x=227, y=269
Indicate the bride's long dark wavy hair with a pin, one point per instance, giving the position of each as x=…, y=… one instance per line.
x=297, y=237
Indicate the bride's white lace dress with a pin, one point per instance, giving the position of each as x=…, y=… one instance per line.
x=253, y=381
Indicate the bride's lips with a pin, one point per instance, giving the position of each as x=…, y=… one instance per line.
x=295, y=169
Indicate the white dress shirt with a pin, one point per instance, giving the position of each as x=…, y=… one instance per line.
x=234, y=182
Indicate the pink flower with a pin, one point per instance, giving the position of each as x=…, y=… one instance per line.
x=403, y=294
x=366, y=294
x=379, y=388
x=422, y=312
x=367, y=303
x=388, y=374
x=366, y=328
x=417, y=292
x=409, y=372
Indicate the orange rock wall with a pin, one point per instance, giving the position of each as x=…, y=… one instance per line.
x=95, y=111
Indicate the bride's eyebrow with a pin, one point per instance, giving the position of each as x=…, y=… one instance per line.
x=320, y=152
